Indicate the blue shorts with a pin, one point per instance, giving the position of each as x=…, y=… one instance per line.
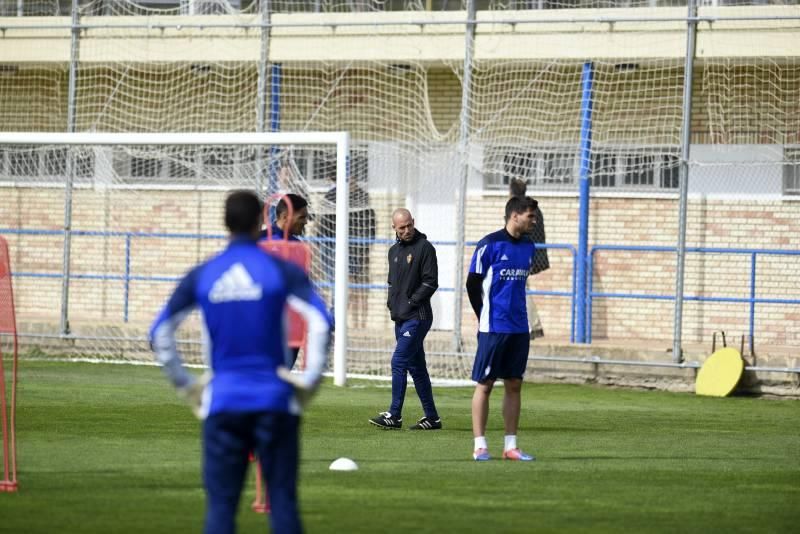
x=501, y=356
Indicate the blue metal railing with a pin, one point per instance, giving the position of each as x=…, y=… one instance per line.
x=752, y=299
x=389, y=242
x=127, y=275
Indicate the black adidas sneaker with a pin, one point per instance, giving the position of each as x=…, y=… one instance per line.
x=387, y=421
x=426, y=423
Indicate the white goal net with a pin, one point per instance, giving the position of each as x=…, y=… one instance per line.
x=425, y=117
x=141, y=210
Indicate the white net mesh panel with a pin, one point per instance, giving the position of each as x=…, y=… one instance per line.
x=403, y=117
x=744, y=184
x=227, y=7
x=29, y=8
x=395, y=160
x=142, y=216
x=34, y=97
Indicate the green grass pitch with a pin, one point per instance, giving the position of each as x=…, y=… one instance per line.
x=110, y=448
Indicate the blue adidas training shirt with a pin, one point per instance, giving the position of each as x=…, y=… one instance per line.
x=503, y=263
x=242, y=294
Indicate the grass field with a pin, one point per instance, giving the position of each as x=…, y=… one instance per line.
x=109, y=448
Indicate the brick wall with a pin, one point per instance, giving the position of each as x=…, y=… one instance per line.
x=721, y=223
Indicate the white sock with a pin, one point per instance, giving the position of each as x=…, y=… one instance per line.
x=480, y=443
x=511, y=443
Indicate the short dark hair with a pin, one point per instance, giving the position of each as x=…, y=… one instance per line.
x=520, y=205
x=243, y=212
x=297, y=201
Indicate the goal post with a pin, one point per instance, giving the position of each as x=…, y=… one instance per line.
x=39, y=141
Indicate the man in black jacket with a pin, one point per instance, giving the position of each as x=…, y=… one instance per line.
x=413, y=279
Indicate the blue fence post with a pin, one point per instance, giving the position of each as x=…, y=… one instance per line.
x=572, y=299
x=127, y=274
x=583, y=210
x=589, y=292
x=274, y=125
x=752, y=300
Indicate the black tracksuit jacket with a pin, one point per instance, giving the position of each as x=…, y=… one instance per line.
x=413, y=278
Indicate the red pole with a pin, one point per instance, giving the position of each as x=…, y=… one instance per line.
x=261, y=503
x=8, y=325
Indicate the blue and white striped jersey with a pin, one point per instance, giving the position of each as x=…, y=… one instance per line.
x=242, y=294
x=503, y=263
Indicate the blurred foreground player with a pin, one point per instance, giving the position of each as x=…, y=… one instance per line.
x=252, y=401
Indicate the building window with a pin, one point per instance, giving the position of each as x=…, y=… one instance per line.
x=791, y=171
x=23, y=162
x=55, y=162
x=559, y=168
x=182, y=165
x=208, y=165
x=541, y=168
x=318, y=166
x=635, y=170
x=34, y=163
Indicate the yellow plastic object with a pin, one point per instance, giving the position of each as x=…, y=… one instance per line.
x=720, y=373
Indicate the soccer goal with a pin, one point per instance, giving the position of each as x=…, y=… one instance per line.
x=140, y=209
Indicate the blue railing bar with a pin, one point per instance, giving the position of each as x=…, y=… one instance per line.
x=97, y=233
x=35, y=275
x=637, y=296
x=446, y=289
x=589, y=293
x=30, y=232
x=157, y=278
x=572, y=302
x=548, y=293
x=73, y=276
x=640, y=248
x=697, y=298
x=763, y=300
x=127, y=277
x=90, y=276
x=154, y=235
x=752, y=301
x=310, y=239
x=711, y=250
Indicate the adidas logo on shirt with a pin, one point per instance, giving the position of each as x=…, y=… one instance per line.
x=234, y=284
x=503, y=258
x=407, y=334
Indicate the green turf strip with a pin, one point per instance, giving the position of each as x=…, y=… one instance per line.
x=110, y=448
